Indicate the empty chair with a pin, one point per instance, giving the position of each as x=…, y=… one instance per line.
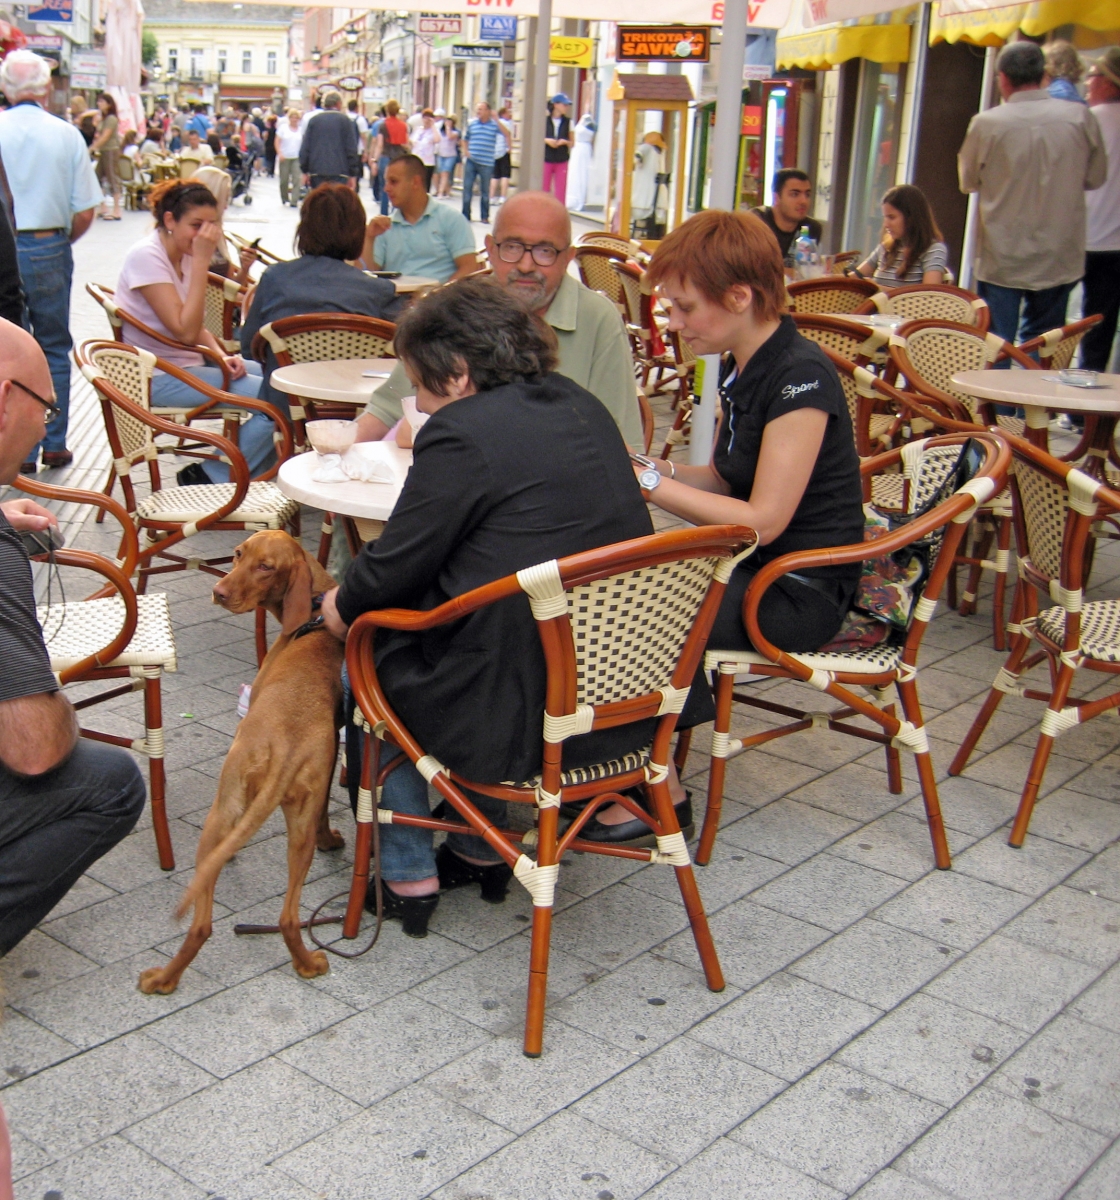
x=931, y=301
x=829, y=294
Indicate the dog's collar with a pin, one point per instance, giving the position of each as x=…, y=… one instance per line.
x=318, y=621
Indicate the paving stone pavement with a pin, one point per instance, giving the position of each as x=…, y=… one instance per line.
x=888, y=1031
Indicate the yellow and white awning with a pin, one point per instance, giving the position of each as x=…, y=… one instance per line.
x=807, y=42
x=985, y=23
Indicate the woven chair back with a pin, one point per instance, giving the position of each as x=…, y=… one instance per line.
x=220, y=300
x=317, y=338
x=829, y=295
x=1043, y=508
x=934, y=353
x=630, y=288
x=594, y=264
x=932, y=302
x=1056, y=347
x=130, y=371
x=611, y=241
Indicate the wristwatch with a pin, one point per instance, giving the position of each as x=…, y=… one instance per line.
x=649, y=477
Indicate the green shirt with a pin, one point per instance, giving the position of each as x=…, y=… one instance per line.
x=594, y=352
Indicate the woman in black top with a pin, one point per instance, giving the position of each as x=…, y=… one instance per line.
x=517, y=465
x=784, y=461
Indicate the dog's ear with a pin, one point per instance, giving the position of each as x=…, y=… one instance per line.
x=296, y=606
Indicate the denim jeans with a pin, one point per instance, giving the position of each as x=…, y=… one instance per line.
x=471, y=172
x=46, y=266
x=255, y=436
x=54, y=826
x=1019, y=315
x=383, y=195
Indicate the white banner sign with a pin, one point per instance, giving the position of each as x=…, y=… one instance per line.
x=828, y=12
x=87, y=69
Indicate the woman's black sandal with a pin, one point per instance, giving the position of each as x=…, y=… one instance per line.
x=456, y=872
x=414, y=911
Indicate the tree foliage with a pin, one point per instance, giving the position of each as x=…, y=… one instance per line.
x=149, y=48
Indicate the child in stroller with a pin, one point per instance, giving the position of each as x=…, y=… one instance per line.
x=240, y=168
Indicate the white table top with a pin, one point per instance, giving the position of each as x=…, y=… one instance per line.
x=1039, y=389
x=340, y=379
x=407, y=284
x=374, y=501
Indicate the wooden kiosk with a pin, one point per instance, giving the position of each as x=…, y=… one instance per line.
x=645, y=195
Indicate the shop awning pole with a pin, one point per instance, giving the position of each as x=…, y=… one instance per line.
x=968, y=254
x=532, y=124
x=918, y=66
x=724, y=155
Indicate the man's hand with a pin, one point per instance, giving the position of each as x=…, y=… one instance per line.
x=37, y=733
x=26, y=514
x=306, y=180
x=377, y=227
x=331, y=619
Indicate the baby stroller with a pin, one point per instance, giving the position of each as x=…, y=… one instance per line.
x=240, y=167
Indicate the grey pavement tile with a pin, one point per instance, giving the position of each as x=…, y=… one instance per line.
x=968, y=806
x=898, y=845
x=1100, y=1004
x=1073, y=923
x=85, y=891
x=228, y=958
x=753, y=778
x=586, y=874
x=1102, y=1180
x=890, y=1184
x=1019, y=984
x=106, y=1002
x=1101, y=875
x=817, y=748
x=1008, y=767
x=1071, y=1070
x=37, y=964
x=26, y=1047
x=114, y=1168
x=730, y=875
x=941, y=755
x=249, y=1120
x=876, y=963
x=89, y=1097
x=993, y=1147
x=243, y=1024
x=403, y=1147
x=787, y=1026
x=732, y=808
x=853, y=791
x=828, y=891
x=134, y=861
x=838, y=1125
x=377, y=1052
x=944, y=687
x=125, y=924
x=270, y=1183
x=787, y=831
x=957, y=633
x=676, y=1101
x=462, y=917
x=564, y=1158
x=26, y=1156
x=616, y=925
x=1077, y=820
x=932, y=1048
x=195, y=742
x=643, y=1004
x=752, y=942
x=1004, y=726
x=728, y=1171
x=951, y=908
x=499, y=1083
x=1100, y=779
x=1088, y=742
x=1033, y=869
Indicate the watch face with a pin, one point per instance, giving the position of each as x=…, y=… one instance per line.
x=649, y=479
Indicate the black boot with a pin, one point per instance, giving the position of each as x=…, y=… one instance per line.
x=191, y=475
x=414, y=911
x=456, y=872
x=637, y=833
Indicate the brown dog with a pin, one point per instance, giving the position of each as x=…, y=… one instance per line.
x=284, y=751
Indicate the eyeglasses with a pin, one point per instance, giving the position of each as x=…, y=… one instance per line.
x=544, y=253
x=53, y=411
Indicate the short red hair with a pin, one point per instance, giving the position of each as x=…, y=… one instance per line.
x=715, y=250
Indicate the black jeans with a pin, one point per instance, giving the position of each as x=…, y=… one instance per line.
x=318, y=179
x=1101, y=295
x=793, y=616
x=54, y=826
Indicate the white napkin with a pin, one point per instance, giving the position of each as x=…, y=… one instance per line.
x=369, y=470
x=329, y=469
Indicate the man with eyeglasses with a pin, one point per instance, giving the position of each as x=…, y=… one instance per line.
x=64, y=801
x=530, y=251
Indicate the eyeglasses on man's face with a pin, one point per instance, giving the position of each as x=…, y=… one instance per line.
x=544, y=253
x=53, y=411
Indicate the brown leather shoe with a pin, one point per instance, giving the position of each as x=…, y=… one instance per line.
x=57, y=458
x=29, y=468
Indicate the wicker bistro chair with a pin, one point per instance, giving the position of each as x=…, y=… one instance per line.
x=622, y=629
x=651, y=357
x=1055, y=508
x=623, y=246
x=829, y=294
x=221, y=305
x=114, y=634
x=594, y=266
x=931, y=301
x=685, y=371
x=927, y=463
x=136, y=186
x=264, y=256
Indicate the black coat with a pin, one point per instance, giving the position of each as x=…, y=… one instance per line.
x=501, y=480
x=330, y=146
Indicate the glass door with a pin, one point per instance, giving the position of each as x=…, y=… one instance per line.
x=874, y=153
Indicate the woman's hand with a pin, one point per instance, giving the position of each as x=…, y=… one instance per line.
x=334, y=623
x=206, y=241
x=236, y=365
x=248, y=256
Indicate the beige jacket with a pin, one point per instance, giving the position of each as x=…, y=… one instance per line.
x=1032, y=159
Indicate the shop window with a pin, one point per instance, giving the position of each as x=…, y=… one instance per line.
x=223, y=64
x=196, y=63
x=271, y=61
x=246, y=62
x=874, y=152
x=172, y=60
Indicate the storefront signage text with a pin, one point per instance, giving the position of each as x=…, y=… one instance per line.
x=663, y=43
x=58, y=12
x=571, y=51
x=443, y=25
x=497, y=29
x=752, y=120
x=491, y=52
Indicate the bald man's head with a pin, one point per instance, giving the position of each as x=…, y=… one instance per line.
x=22, y=417
x=531, y=219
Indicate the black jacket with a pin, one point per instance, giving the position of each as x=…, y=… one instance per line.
x=11, y=288
x=501, y=480
x=330, y=146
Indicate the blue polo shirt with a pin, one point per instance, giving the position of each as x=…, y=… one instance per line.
x=482, y=141
x=428, y=248
x=49, y=169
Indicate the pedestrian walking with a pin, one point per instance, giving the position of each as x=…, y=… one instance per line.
x=107, y=146
x=391, y=143
x=1064, y=69
x=425, y=143
x=480, y=142
x=558, y=142
x=1102, y=246
x=447, y=156
x=270, y=124
x=499, y=181
x=55, y=194
x=329, y=151
x=289, y=137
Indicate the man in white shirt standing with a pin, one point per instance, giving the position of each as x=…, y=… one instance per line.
x=1102, y=245
x=1032, y=160
x=54, y=193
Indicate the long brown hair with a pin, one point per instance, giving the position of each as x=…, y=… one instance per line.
x=921, y=228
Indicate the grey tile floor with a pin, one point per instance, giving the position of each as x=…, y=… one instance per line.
x=888, y=1030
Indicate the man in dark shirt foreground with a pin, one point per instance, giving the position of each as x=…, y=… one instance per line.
x=64, y=802
x=789, y=216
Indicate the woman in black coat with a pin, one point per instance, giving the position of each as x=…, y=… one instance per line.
x=516, y=466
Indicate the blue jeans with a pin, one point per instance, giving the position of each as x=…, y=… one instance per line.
x=46, y=266
x=52, y=827
x=472, y=171
x=1019, y=315
x=255, y=436
x=383, y=195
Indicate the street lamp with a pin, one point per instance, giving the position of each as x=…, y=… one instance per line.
x=316, y=54
x=351, y=35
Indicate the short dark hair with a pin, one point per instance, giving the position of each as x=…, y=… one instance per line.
x=782, y=177
x=413, y=165
x=332, y=223
x=352, y=105
x=1022, y=62
x=473, y=326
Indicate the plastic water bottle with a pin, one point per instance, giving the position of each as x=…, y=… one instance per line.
x=807, y=258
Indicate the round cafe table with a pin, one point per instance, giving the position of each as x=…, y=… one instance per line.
x=1040, y=393
x=408, y=285
x=341, y=380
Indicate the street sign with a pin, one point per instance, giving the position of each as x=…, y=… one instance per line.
x=351, y=83
x=752, y=120
x=497, y=29
x=443, y=25
x=87, y=69
x=44, y=41
x=663, y=43
x=757, y=71
x=59, y=12
x=489, y=52
x=571, y=51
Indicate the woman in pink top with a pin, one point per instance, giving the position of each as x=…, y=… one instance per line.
x=163, y=284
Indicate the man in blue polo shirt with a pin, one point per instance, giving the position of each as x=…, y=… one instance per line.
x=479, y=145
x=422, y=237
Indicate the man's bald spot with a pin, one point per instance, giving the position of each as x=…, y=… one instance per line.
x=541, y=206
x=20, y=355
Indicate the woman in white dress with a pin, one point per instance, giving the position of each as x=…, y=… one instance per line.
x=579, y=169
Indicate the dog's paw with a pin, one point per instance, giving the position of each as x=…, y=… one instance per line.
x=330, y=839
x=154, y=981
x=318, y=965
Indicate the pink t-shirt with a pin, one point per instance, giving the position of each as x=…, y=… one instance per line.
x=144, y=264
